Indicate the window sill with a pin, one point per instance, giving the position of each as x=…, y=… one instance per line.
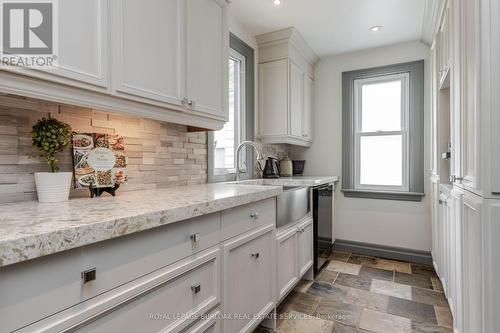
x=383, y=195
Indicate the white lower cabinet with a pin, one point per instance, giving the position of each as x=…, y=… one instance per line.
x=294, y=255
x=305, y=241
x=472, y=264
x=248, y=268
x=146, y=304
x=287, y=261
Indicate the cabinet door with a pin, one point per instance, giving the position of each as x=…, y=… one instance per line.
x=296, y=99
x=83, y=46
x=249, y=263
x=273, y=98
x=146, y=50
x=305, y=242
x=308, y=109
x=471, y=263
x=287, y=261
x=467, y=157
x=207, y=56
x=457, y=204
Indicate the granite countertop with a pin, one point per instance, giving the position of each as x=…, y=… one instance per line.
x=292, y=181
x=30, y=230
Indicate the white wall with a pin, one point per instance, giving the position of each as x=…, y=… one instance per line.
x=383, y=222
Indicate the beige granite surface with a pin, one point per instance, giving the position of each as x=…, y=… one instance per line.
x=292, y=181
x=30, y=230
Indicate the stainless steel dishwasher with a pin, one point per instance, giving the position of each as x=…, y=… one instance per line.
x=322, y=222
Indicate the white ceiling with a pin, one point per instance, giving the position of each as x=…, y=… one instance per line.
x=335, y=26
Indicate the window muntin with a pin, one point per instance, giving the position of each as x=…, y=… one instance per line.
x=381, y=114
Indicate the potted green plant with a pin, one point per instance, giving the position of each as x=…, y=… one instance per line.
x=51, y=136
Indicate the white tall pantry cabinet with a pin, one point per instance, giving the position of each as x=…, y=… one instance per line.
x=465, y=188
x=286, y=88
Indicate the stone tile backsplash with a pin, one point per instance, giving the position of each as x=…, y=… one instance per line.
x=159, y=154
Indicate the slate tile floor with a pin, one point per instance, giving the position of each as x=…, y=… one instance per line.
x=357, y=293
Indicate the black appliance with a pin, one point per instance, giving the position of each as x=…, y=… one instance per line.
x=322, y=223
x=271, y=169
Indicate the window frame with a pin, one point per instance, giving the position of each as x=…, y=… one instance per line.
x=244, y=53
x=413, y=140
x=404, y=131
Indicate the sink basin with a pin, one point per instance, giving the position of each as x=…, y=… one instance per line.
x=291, y=205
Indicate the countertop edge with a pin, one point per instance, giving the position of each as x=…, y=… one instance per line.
x=44, y=244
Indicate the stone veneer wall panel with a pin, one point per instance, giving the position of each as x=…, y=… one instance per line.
x=159, y=154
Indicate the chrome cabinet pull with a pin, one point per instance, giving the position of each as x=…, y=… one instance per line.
x=255, y=255
x=196, y=288
x=88, y=275
x=195, y=238
x=254, y=215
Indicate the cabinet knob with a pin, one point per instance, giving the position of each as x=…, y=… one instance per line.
x=195, y=238
x=254, y=215
x=191, y=103
x=255, y=255
x=88, y=275
x=455, y=179
x=196, y=288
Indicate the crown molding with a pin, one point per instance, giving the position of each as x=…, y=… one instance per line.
x=432, y=17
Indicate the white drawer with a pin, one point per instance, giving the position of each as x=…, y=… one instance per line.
x=249, y=266
x=212, y=324
x=167, y=300
x=44, y=286
x=238, y=220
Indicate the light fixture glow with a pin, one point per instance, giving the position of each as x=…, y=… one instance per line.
x=277, y=2
x=376, y=28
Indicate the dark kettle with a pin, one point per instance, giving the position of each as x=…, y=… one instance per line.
x=271, y=169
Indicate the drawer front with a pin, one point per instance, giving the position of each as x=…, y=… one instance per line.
x=248, y=273
x=44, y=286
x=212, y=324
x=168, y=300
x=239, y=220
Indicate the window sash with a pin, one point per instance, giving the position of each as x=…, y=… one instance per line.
x=404, y=132
x=227, y=174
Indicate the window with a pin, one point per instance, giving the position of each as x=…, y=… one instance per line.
x=223, y=143
x=383, y=132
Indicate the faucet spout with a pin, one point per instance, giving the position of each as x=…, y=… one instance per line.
x=238, y=150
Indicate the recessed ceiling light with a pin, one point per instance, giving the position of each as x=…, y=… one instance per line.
x=277, y=2
x=376, y=28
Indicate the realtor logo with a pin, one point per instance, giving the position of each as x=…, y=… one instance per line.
x=28, y=33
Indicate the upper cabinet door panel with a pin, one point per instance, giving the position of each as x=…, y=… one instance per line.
x=273, y=98
x=207, y=56
x=146, y=50
x=308, y=109
x=82, y=58
x=296, y=100
x=83, y=41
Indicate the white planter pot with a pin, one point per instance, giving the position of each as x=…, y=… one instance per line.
x=53, y=186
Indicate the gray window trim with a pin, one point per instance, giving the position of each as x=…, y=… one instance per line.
x=416, y=132
x=248, y=52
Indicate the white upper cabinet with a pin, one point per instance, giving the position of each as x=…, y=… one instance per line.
x=308, y=108
x=286, y=85
x=273, y=76
x=147, y=50
x=82, y=59
x=296, y=99
x=207, y=57
x=159, y=59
